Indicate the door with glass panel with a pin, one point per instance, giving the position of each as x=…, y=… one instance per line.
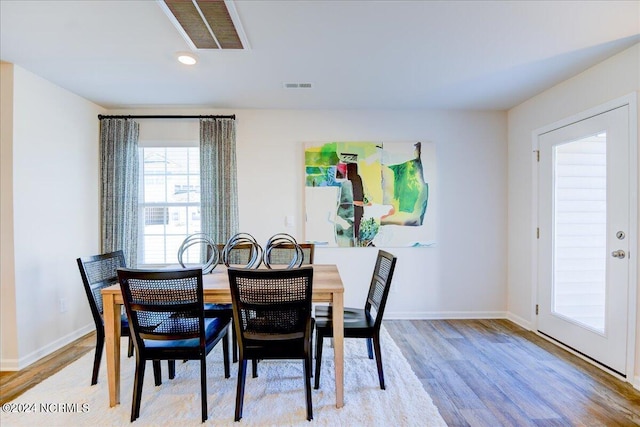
x=583, y=236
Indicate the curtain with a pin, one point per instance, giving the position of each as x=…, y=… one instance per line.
x=119, y=187
x=218, y=180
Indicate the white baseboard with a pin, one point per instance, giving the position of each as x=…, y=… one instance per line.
x=441, y=315
x=23, y=362
x=636, y=382
x=526, y=324
x=9, y=365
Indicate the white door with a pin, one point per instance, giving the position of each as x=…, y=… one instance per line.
x=584, y=235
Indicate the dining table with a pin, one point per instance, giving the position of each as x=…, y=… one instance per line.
x=327, y=288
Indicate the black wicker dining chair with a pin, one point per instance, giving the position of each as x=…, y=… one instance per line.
x=360, y=322
x=98, y=272
x=166, y=314
x=283, y=254
x=272, y=318
x=239, y=255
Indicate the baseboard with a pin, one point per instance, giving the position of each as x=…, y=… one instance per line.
x=636, y=382
x=441, y=315
x=9, y=365
x=526, y=324
x=23, y=362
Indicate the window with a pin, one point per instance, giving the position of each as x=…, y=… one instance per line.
x=169, y=201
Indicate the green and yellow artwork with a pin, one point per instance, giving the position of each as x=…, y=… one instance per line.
x=369, y=194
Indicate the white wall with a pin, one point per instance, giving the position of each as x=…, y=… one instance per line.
x=611, y=79
x=463, y=276
x=55, y=215
x=56, y=208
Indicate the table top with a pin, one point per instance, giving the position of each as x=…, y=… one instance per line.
x=326, y=282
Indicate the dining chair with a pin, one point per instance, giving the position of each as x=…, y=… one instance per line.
x=238, y=255
x=166, y=314
x=98, y=272
x=360, y=322
x=284, y=253
x=272, y=318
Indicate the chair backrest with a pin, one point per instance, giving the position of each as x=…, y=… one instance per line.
x=98, y=272
x=238, y=255
x=284, y=253
x=268, y=303
x=163, y=305
x=380, y=285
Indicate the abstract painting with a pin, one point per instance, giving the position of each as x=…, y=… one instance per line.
x=360, y=194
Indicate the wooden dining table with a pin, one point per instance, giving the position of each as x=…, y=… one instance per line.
x=327, y=288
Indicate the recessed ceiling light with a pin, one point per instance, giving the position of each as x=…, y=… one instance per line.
x=187, y=58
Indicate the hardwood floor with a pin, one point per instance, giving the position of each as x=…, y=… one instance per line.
x=494, y=373
x=13, y=384
x=478, y=373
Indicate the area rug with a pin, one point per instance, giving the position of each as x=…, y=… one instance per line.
x=275, y=398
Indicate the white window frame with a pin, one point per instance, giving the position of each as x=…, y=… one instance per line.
x=142, y=204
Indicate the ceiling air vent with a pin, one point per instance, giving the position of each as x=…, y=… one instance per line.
x=206, y=24
x=297, y=85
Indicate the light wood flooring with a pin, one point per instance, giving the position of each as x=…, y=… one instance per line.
x=494, y=373
x=13, y=384
x=478, y=373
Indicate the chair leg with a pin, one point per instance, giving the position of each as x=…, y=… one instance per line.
x=319, y=339
x=242, y=373
x=130, y=348
x=311, y=354
x=376, y=347
x=97, y=357
x=137, y=388
x=234, y=343
x=369, y=349
x=171, y=366
x=225, y=356
x=254, y=368
x=307, y=387
x=157, y=372
x=203, y=388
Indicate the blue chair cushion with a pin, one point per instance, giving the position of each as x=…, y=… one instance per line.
x=124, y=325
x=212, y=326
x=217, y=307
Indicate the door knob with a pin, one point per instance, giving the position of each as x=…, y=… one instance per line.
x=618, y=254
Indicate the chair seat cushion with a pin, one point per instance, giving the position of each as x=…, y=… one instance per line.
x=327, y=310
x=213, y=329
x=354, y=320
x=124, y=325
x=274, y=337
x=217, y=307
x=124, y=321
x=277, y=346
x=218, y=310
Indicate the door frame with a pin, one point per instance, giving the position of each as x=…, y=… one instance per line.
x=629, y=100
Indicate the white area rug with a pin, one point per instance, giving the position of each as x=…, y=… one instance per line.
x=275, y=398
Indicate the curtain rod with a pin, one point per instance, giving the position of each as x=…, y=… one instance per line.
x=101, y=116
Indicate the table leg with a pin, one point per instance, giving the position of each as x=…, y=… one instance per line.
x=338, y=346
x=112, y=337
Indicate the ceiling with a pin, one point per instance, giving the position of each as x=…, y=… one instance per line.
x=487, y=55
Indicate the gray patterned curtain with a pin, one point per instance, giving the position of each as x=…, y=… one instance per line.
x=119, y=187
x=218, y=181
